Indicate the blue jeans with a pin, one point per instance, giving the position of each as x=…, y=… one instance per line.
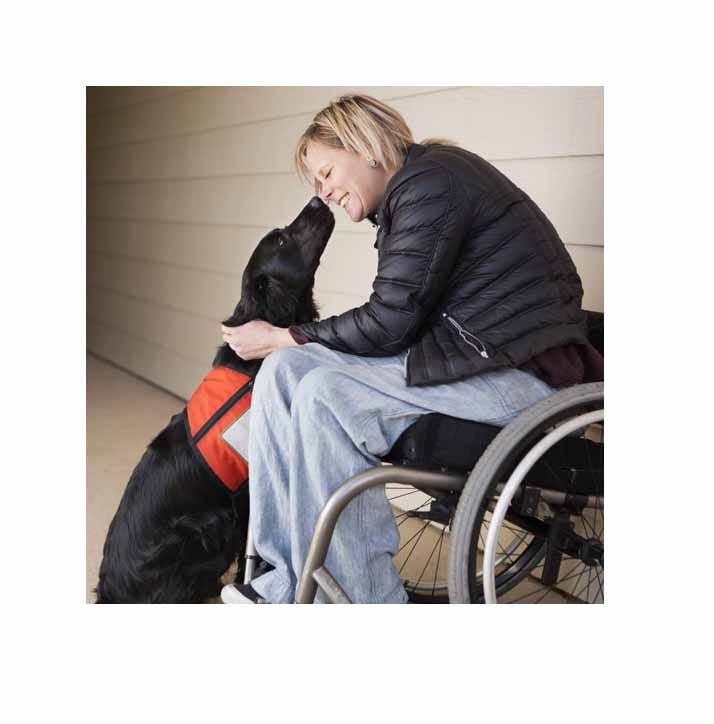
x=317, y=418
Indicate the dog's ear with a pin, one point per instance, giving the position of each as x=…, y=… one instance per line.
x=261, y=283
x=241, y=314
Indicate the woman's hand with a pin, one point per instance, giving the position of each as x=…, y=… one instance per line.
x=256, y=339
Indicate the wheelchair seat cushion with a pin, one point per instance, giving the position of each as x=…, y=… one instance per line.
x=441, y=442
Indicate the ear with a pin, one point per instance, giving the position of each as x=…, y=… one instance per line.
x=261, y=283
x=238, y=317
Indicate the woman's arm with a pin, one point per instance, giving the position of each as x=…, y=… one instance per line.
x=429, y=216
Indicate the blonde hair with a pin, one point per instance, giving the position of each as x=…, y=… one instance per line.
x=360, y=124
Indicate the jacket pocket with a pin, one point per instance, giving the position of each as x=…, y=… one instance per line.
x=469, y=337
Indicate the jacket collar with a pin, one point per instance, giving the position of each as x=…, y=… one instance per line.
x=413, y=152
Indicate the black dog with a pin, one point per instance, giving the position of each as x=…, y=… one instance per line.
x=176, y=532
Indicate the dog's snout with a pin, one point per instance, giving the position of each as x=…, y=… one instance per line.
x=316, y=202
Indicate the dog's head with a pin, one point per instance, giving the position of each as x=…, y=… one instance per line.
x=278, y=280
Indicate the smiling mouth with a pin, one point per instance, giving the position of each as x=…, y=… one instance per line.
x=344, y=200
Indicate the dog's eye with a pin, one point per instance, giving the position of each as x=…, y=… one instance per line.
x=281, y=242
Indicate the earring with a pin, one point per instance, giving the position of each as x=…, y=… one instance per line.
x=372, y=163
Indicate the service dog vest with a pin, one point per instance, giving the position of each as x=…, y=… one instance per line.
x=217, y=421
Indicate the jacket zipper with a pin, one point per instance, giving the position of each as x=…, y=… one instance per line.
x=218, y=414
x=464, y=332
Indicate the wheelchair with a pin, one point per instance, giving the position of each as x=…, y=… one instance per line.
x=498, y=515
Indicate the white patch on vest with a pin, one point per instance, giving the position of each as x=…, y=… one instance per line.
x=237, y=435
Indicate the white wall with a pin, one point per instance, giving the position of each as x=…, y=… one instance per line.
x=182, y=183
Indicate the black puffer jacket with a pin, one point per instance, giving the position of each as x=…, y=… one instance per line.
x=471, y=275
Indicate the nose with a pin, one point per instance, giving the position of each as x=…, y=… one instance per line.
x=316, y=202
x=326, y=192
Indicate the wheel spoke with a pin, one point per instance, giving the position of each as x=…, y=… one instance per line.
x=530, y=593
x=577, y=583
x=569, y=577
x=600, y=587
x=587, y=525
x=416, y=543
x=427, y=562
x=403, y=495
x=579, y=593
x=438, y=558
x=547, y=591
x=405, y=515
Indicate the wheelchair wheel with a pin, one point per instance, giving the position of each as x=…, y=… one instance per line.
x=550, y=547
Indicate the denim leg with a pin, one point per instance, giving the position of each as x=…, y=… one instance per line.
x=270, y=428
x=331, y=420
x=271, y=437
x=319, y=417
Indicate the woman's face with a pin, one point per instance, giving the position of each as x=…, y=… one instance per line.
x=347, y=179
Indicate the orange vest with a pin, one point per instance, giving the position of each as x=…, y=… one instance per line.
x=217, y=422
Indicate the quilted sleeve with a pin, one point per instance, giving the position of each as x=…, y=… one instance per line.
x=428, y=215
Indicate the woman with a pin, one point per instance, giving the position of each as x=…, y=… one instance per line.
x=475, y=313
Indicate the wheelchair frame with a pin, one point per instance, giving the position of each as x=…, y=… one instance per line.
x=315, y=574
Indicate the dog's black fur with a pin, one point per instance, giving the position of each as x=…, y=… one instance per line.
x=175, y=532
